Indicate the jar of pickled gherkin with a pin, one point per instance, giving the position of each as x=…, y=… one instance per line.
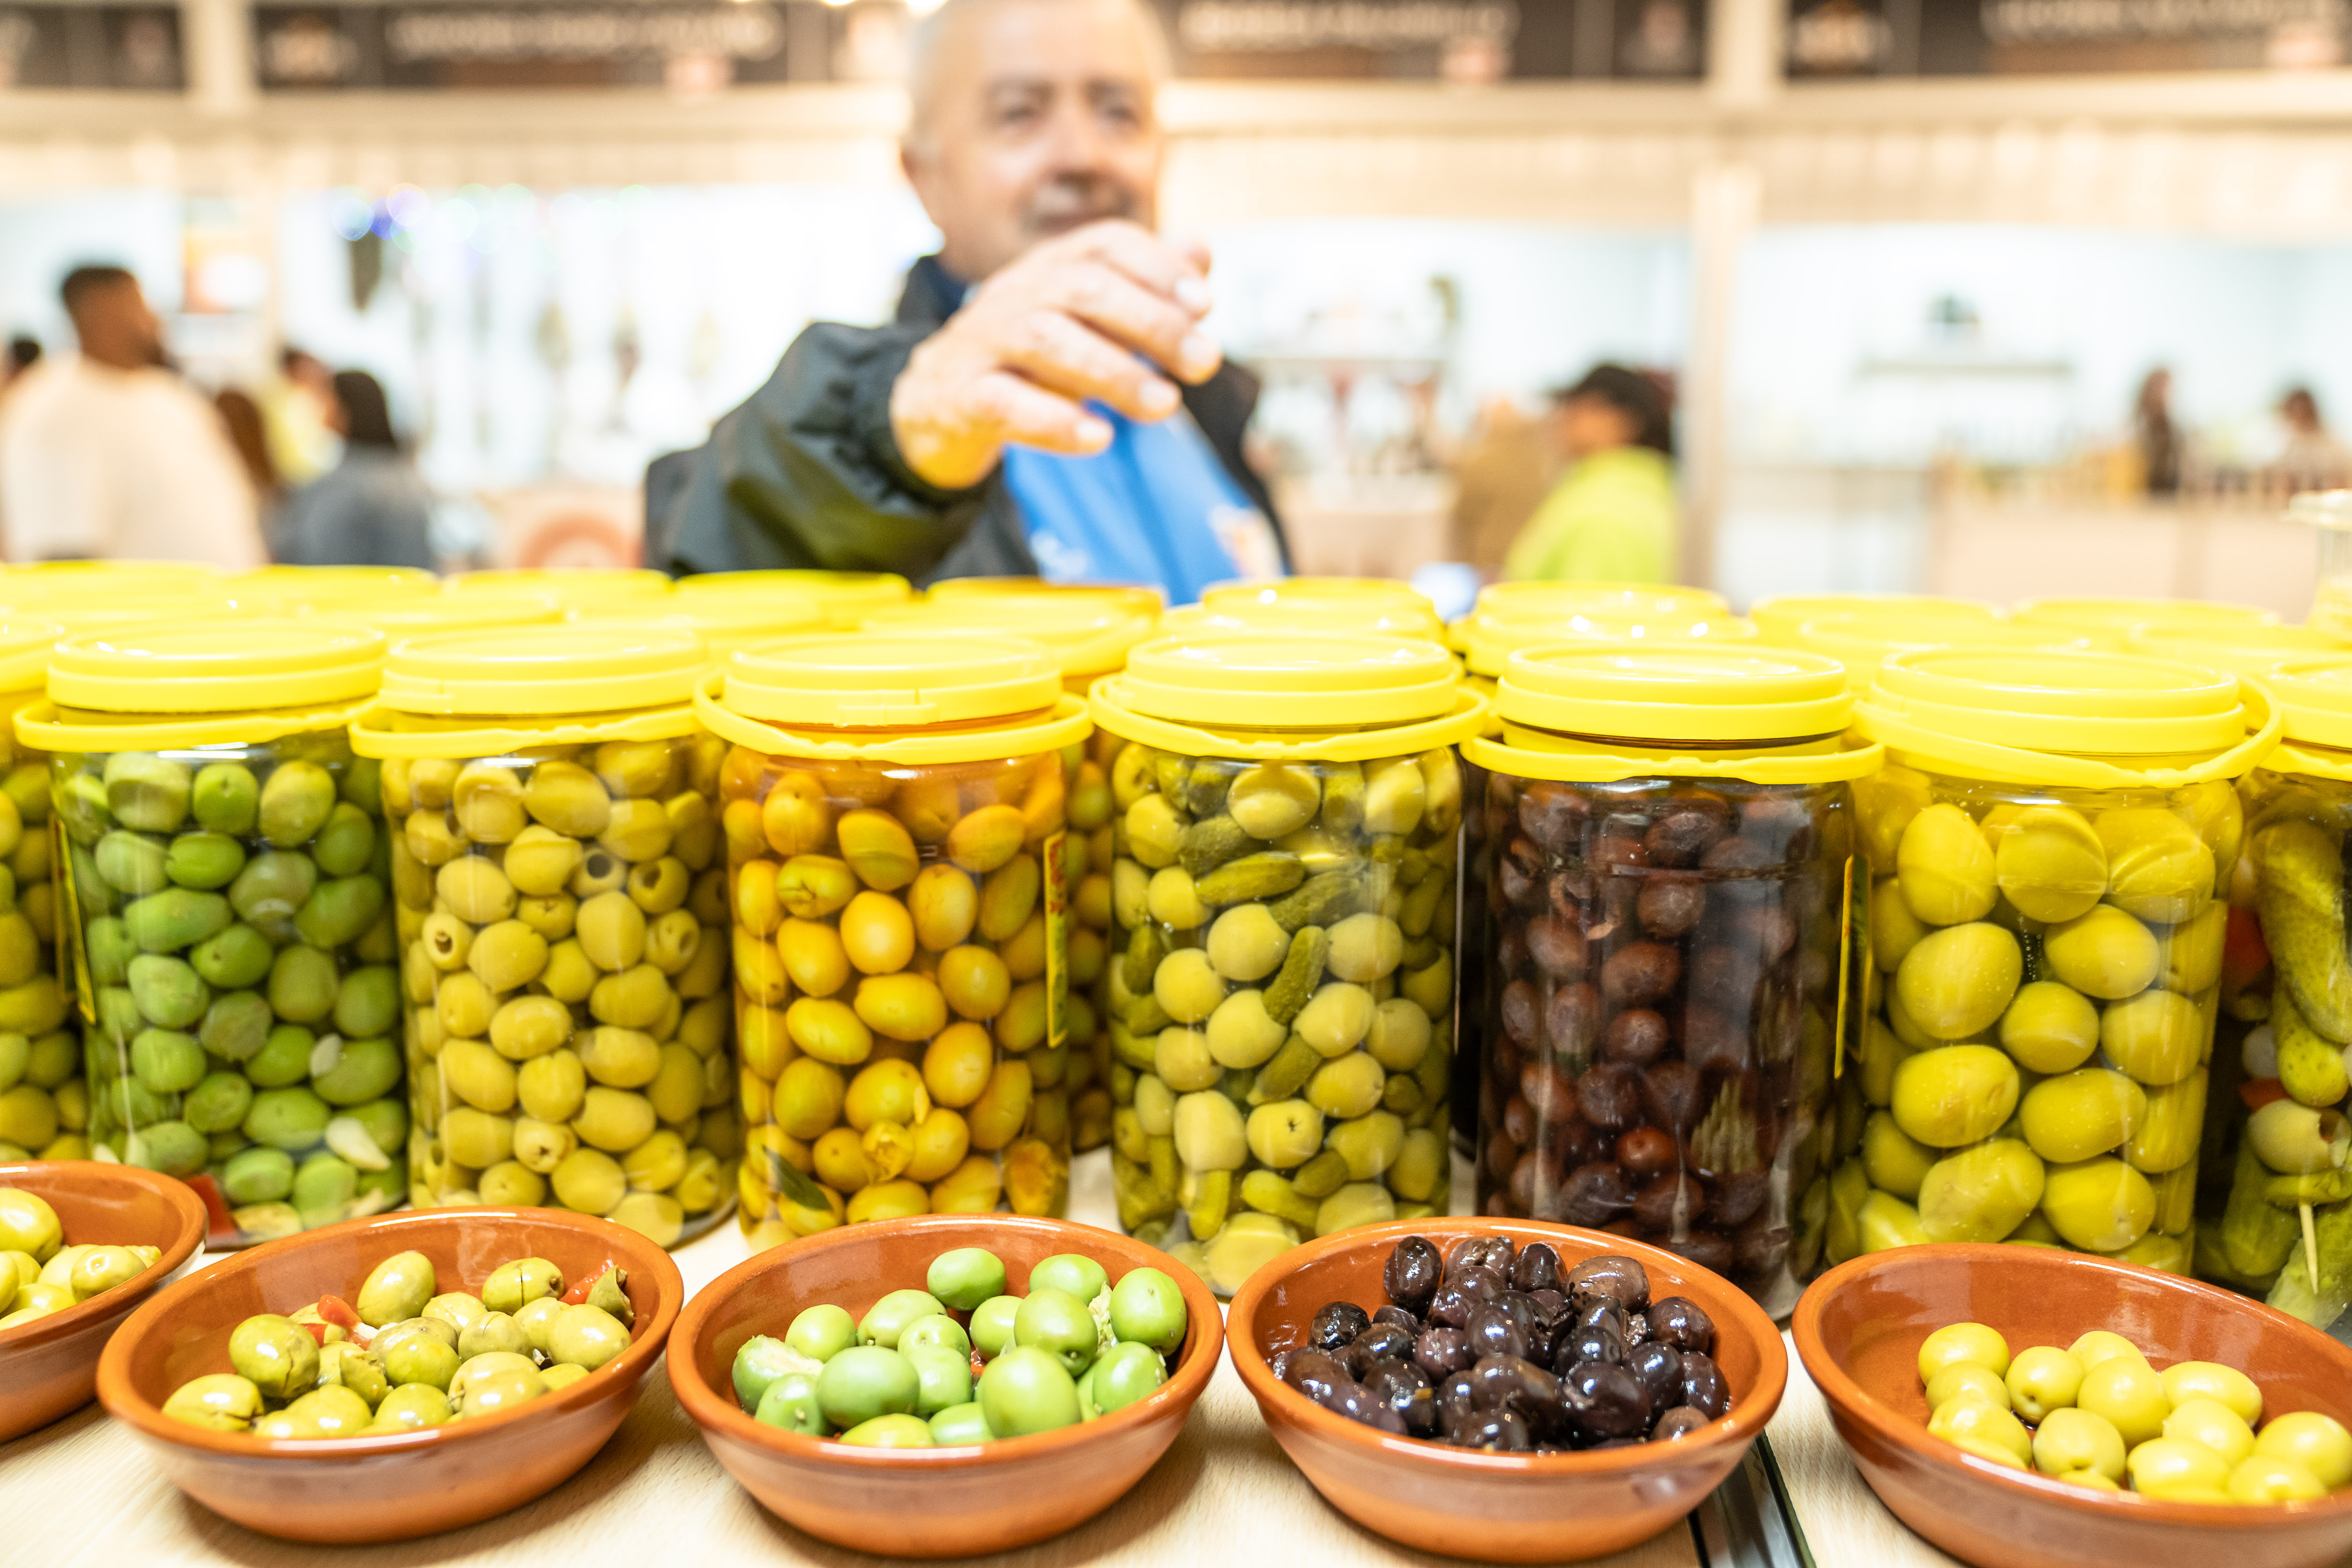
x=2279, y=1070
x=895, y=811
x=44, y=1098
x=2049, y=843
x=1088, y=631
x=562, y=908
x=225, y=908
x=1668, y=867
x=1282, y=988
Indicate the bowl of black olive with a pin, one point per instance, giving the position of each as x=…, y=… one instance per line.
x=1508, y=1390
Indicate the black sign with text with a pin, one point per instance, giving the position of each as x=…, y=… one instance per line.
x=2004, y=38
x=693, y=44
x=125, y=48
x=1462, y=41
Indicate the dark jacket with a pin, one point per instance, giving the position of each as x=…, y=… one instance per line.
x=806, y=473
x=369, y=509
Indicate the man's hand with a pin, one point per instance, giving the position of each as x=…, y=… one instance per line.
x=1061, y=325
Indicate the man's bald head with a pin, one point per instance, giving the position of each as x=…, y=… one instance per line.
x=1029, y=119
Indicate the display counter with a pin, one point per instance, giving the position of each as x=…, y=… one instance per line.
x=2240, y=552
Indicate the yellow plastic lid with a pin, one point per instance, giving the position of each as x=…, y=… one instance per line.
x=1487, y=642
x=1086, y=636
x=115, y=576
x=1683, y=692
x=2314, y=700
x=724, y=622
x=421, y=616
x=1138, y=598
x=566, y=586
x=2092, y=718
x=1544, y=600
x=286, y=590
x=2238, y=649
x=1778, y=617
x=25, y=649
x=216, y=666
x=1312, y=590
x=1289, y=694
x=833, y=587
x=2117, y=618
x=1861, y=639
x=1369, y=616
x=901, y=682
x=540, y=671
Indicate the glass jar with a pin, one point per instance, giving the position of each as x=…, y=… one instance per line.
x=1088, y=631
x=2329, y=513
x=555, y=853
x=896, y=820
x=2286, y=986
x=1668, y=870
x=1282, y=984
x=225, y=908
x=44, y=1097
x=2049, y=845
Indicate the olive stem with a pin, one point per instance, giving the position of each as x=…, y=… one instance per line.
x=2310, y=1247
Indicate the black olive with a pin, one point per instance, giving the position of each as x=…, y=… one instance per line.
x=1385, y=1340
x=1457, y=1398
x=1397, y=1317
x=1660, y=1368
x=1674, y=1422
x=1496, y=1431
x=1620, y=1279
x=1535, y=1269
x=1442, y=1351
x=1335, y=1324
x=1679, y=1322
x=1407, y=1390
x=1359, y=1405
x=1495, y=1252
x=1452, y=1306
x=1492, y=1332
x=1479, y=1280
x=1704, y=1388
x=1412, y=1273
x=1315, y=1374
x=1604, y=1400
x=1603, y=1312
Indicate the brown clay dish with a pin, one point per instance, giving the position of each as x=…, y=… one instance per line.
x=1503, y=1508
x=346, y=1490
x=928, y=1502
x=49, y=1366
x=1858, y=1331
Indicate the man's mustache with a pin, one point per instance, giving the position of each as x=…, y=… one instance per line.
x=1066, y=204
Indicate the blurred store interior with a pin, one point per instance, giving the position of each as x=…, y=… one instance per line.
x=1907, y=268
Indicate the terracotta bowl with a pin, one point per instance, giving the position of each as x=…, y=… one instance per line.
x=390, y=1488
x=49, y=1366
x=928, y=1502
x=1503, y=1508
x=1858, y=1330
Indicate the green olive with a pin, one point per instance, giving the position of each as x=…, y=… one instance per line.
x=887, y=1318
x=1972, y=1344
x=2157, y=1037
x=396, y=1289
x=1953, y=1095
x=2158, y=866
x=220, y=1400
x=1968, y=1417
x=1956, y=1378
x=2098, y=1206
x=2104, y=954
x=2067, y=1440
x=2187, y=1380
x=2319, y=1443
x=2050, y=864
x=1958, y=982
x=2049, y=1028
x=1897, y=1163
x=1944, y=868
x=1979, y=1193
x=585, y=1336
x=2040, y=1379
x=275, y=1354
x=2080, y=1114
x=2212, y=1424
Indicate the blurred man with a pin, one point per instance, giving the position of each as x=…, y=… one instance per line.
x=1047, y=401
x=105, y=455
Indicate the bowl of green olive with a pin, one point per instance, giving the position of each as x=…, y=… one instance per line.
x=81, y=1243
x=944, y=1386
x=391, y=1377
x=2028, y=1408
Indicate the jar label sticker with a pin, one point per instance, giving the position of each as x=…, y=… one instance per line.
x=1057, y=939
x=1854, y=920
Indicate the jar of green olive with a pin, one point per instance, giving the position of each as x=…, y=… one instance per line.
x=561, y=908
x=44, y=1098
x=1281, y=991
x=897, y=821
x=2051, y=846
x=227, y=912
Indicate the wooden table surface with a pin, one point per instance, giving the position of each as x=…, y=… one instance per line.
x=82, y=1493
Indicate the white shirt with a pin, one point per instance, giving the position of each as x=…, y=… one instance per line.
x=128, y=465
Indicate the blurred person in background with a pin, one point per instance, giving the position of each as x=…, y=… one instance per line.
x=24, y=354
x=297, y=407
x=2156, y=435
x=373, y=509
x=1613, y=516
x=249, y=434
x=1046, y=402
x=109, y=455
x=1500, y=476
x=2313, y=458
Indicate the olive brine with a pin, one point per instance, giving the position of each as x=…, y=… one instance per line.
x=1495, y=1347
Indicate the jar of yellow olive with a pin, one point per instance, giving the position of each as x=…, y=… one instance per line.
x=562, y=908
x=1088, y=631
x=1283, y=987
x=2051, y=846
x=896, y=816
x=224, y=906
x=44, y=1098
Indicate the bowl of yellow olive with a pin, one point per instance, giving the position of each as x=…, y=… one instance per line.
x=391, y=1377
x=81, y=1243
x=2028, y=1407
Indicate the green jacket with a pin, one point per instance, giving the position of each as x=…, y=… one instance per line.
x=1610, y=519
